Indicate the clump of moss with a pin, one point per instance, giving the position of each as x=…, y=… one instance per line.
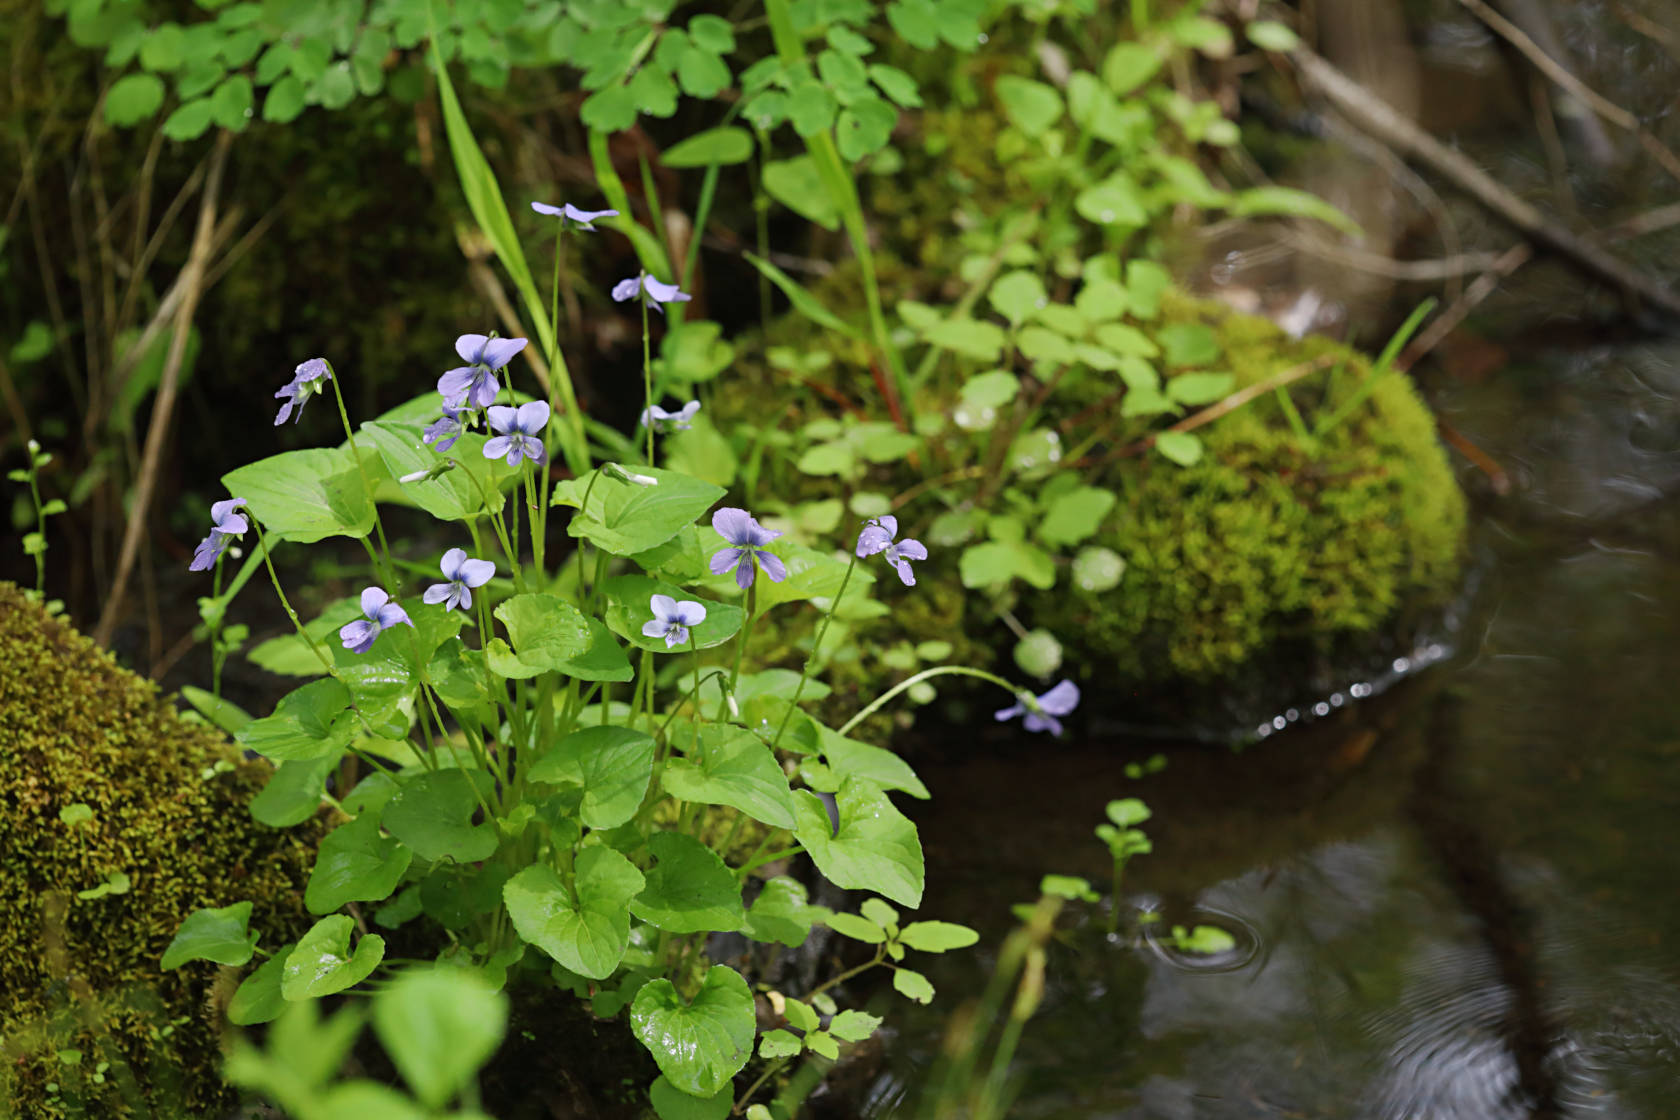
x=1268, y=538
x=120, y=818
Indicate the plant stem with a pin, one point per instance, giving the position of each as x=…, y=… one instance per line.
x=746, y=627
x=925, y=674
x=810, y=658
x=389, y=574
x=647, y=381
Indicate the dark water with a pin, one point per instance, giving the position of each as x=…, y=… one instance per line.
x=1457, y=900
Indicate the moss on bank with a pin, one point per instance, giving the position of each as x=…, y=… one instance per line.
x=104, y=779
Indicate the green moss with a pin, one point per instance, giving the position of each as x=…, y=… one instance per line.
x=79, y=977
x=1266, y=539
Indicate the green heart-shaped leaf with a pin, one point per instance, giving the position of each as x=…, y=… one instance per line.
x=355, y=864
x=258, y=998
x=586, y=932
x=732, y=766
x=323, y=964
x=689, y=890
x=876, y=848
x=432, y=814
x=624, y=517
x=213, y=935
x=613, y=765
x=439, y=1026
x=545, y=630
x=305, y=495
x=309, y=723
x=702, y=1044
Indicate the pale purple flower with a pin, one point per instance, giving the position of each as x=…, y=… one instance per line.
x=1041, y=713
x=877, y=536
x=474, y=384
x=382, y=614
x=224, y=523
x=652, y=292
x=463, y=575
x=740, y=529
x=308, y=379
x=571, y=217
x=662, y=421
x=519, y=428
x=671, y=619
x=446, y=429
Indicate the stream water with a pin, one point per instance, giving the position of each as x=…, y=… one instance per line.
x=1453, y=901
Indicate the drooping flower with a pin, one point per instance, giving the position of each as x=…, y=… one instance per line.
x=571, y=217
x=742, y=530
x=1040, y=713
x=382, y=614
x=671, y=619
x=662, y=421
x=308, y=379
x=463, y=575
x=519, y=428
x=474, y=384
x=446, y=429
x=651, y=292
x=224, y=523
x=877, y=536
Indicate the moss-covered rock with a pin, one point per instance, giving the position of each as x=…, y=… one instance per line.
x=1268, y=537
x=119, y=819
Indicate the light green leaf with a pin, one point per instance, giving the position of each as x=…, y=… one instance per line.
x=310, y=722
x=1017, y=296
x=1292, y=203
x=613, y=766
x=1200, y=388
x=731, y=766
x=864, y=127
x=671, y=1103
x=134, y=98
x=432, y=814
x=586, y=932
x=1031, y=106
x=305, y=495
x=797, y=184
x=853, y=1026
x=937, y=937
x=803, y=301
x=779, y=1044
x=722, y=147
x=1098, y=569
x=355, y=864
x=439, y=1025
x=1188, y=344
x=293, y=793
x=213, y=935
x=896, y=84
x=847, y=758
x=782, y=913
x=189, y=121
x=1116, y=200
x=1128, y=65
x=876, y=848
x=546, y=631
x=1270, y=35
x=323, y=964
x=856, y=927
x=1182, y=448
x=452, y=496
x=971, y=338
x=698, y=1045
x=258, y=998
x=626, y=518
x=689, y=890
x=604, y=660
x=1075, y=516
x=913, y=984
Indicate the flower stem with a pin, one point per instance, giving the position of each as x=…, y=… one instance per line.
x=746, y=628
x=647, y=381
x=908, y=683
x=810, y=658
x=389, y=574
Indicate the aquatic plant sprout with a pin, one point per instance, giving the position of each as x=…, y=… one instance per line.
x=474, y=384
x=571, y=217
x=442, y=433
x=307, y=380
x=653, y=293
x=672, y=618
x=518, y=427
x=877, y=536
x=382, y=614
x=662, y=421
x=742, y=530
x=225, y=523
x=1040, y=714
x=463, y=574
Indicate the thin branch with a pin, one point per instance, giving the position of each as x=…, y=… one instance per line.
x=163, y=407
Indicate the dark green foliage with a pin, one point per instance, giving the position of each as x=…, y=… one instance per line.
x=80, y=982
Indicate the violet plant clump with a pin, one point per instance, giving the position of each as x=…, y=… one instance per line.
x=510, y=752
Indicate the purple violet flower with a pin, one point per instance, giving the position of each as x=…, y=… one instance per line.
x=224, y=524
x=308, y=379
x=662, y=421
x=463, y=575
x=474, y=384
x=1041, y=713
x=877, y=536
x=671, y=619
x=571, y=217
x=740, y=529
x=652, y=292
x=519, y=428
x=446, y=429
x=382, y=614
